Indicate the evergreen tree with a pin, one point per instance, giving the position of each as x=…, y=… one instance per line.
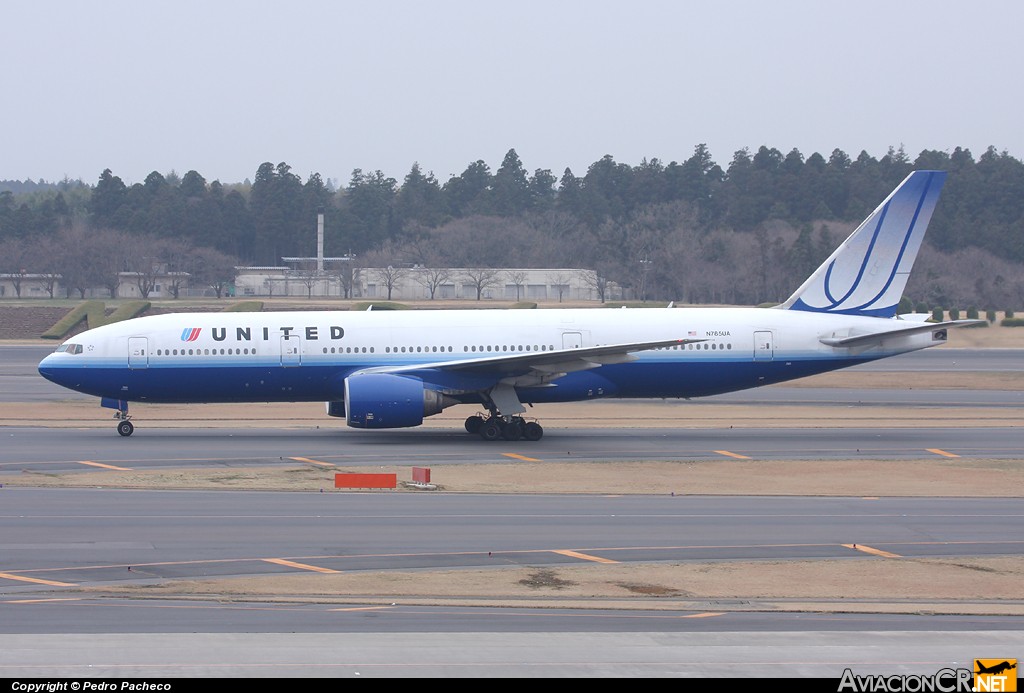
x=107, y=197
x=510, y=187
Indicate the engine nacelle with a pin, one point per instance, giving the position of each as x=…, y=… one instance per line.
x=382, y=400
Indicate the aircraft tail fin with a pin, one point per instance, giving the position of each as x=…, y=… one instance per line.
x=867, y=273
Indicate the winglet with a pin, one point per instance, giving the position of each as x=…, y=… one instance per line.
x=867, y=273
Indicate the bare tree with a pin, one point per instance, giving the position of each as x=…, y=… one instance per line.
x=49, y=250
x=389, y=265
x=109, y=250
x=599, y=282
x=15, y=255
x=308, y=275
x=481, y=278
x=142, y=259
x=308, y=278
x=349, y=274
x=560, y=282
x=179, y=261
x=390, y=277
x=432, y=278
x=212, y=268
x=518, y=278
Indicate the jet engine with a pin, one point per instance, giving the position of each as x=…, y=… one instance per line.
x=383, y=400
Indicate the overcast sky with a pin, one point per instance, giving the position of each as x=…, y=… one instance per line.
x=328, y=86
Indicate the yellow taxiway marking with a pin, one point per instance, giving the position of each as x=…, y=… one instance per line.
x=309, y=461
x=361, y=608
x=301, y=566
x=520, y=457
x=106, y=466
x=941, y=452
x=875, y=552
x=585, y=557
x=707, y=615
x=732, y=454
x=52, y=583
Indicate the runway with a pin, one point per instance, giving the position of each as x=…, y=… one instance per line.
x=59, y=544
x=71, y=450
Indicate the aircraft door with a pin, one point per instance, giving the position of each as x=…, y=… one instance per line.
x=138, y=352
x=572, y=340
x=764, y=346
x=291, y=350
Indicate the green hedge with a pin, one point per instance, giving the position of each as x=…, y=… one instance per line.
x=1012, y=322
x=523, y=304
x=94, y=313
x=244, y=307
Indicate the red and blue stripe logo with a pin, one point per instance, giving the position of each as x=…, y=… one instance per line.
x=190, y=334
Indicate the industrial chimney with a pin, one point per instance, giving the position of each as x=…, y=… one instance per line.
x=320, y=240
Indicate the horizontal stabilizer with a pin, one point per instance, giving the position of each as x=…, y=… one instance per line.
x=860, y=340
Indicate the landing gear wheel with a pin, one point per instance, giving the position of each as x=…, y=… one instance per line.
x=491, y=430
x=533, y=431
x=512, y=430
x=125, y=428
x=474, y=423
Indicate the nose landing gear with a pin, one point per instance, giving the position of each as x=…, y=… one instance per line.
x=124, y=426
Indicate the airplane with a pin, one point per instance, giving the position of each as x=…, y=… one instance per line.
x=391, y=369
x=996, y=668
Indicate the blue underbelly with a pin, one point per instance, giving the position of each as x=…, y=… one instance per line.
x=310, y=383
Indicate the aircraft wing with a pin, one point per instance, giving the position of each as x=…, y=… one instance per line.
x=874, y=338
x=527, y=369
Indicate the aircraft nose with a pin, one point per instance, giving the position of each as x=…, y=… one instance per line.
x=47, y=369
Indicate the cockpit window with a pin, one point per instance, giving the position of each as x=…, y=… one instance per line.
x=69, y=349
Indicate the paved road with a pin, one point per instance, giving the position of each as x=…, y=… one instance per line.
x=63, y=450
x=89, y=537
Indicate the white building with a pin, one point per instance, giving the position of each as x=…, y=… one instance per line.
x=341, y=279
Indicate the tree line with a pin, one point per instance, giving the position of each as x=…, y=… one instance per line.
x=690, y=231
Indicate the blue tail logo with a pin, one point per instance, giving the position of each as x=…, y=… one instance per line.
x=867, y=274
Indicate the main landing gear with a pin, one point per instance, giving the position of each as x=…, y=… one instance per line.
x=497, y=427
